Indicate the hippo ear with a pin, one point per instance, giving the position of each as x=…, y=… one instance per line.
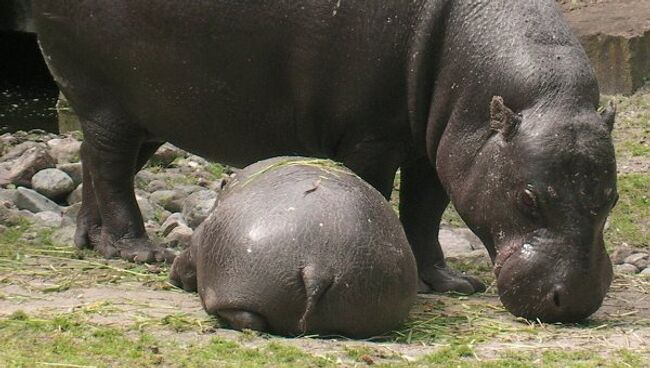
x=608, y=115
x=502, y=119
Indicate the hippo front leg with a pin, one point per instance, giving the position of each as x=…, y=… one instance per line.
x=183, y=271
x=110, y=220
x=422, y=202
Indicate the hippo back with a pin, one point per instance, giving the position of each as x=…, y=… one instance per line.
x=285, y=226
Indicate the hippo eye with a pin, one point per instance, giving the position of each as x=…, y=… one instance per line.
x=528, y=198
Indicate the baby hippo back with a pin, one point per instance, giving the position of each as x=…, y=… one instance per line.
x=303, y=246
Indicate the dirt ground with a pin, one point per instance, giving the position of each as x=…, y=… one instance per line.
x=52, y=286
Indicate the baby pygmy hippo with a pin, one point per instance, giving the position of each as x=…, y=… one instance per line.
x=298, y=246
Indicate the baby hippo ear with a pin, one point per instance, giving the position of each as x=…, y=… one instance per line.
x=609, y=115
x=502, y=119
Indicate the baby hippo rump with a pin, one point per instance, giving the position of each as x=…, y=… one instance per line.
x=301, y=246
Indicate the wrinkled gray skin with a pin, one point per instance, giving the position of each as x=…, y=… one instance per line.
x=376, y=85
x=297, y=249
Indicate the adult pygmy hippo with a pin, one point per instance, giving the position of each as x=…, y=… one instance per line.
x=376, y=85
x=298, y=245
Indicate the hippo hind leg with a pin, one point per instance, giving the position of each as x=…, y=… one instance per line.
x=235, y=316
x=89, y=220
x=183, y=271
x=244, y=320
x=110, y=220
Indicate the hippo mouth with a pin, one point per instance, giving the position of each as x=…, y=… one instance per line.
x=503, y=254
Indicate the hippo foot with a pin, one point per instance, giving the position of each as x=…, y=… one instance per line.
x=86, y=236
x=183, y=272
x=443, y=279
x=136, y=251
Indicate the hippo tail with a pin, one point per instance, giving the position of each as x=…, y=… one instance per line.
x=316, y=285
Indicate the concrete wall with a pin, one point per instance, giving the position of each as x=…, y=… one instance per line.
x=15, y=15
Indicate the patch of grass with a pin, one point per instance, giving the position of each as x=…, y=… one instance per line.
x=361, y=354
x=65, y=340
x=216, y=169
x=442, y=320
x=68, y=339
x=60, y=267
x=225, y=353
x=632, y=130
x=630, y=219
x=456, y=353
x=561, y=358
x=451, y=218
x=180, y=322
x=176, y=180
x=325, y=165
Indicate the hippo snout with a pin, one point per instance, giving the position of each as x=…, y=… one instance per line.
x=553, y=282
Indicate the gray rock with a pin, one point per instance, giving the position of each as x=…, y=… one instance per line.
x=48, y=219
x=189, y=189
x=151, y=227
x=53, y=183
x=64, y=149
x=166, y=154
x=35, y=202
x=19, y=149
x=20, y=170
x=72, y=211
x=171, y=200
x=10, y=216
x=67, y=221
x=76, y=195
x=64, y=235
x=164, y=215
x=142, y=193
x=640, y=260
x=197, y=207
x=143, y=178
x=156, y=185
x=180, y=236
x=197, y=160
x=626, y=268
x=26, y=215
x=461, y=243
x=646, y=272
x=7, y=139
x=172, y=221
x=619, y=254
x=74, y=170
x=148, y=211
x=8, y=195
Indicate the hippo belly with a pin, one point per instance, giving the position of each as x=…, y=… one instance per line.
x=233, y=83
x=297, y=246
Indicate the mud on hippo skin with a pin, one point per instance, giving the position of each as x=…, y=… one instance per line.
x=301, y=246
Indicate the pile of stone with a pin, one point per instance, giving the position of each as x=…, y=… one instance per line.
x=629, y=260
x=41, y=182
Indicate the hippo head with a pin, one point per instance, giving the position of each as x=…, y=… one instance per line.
x=538, y=196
